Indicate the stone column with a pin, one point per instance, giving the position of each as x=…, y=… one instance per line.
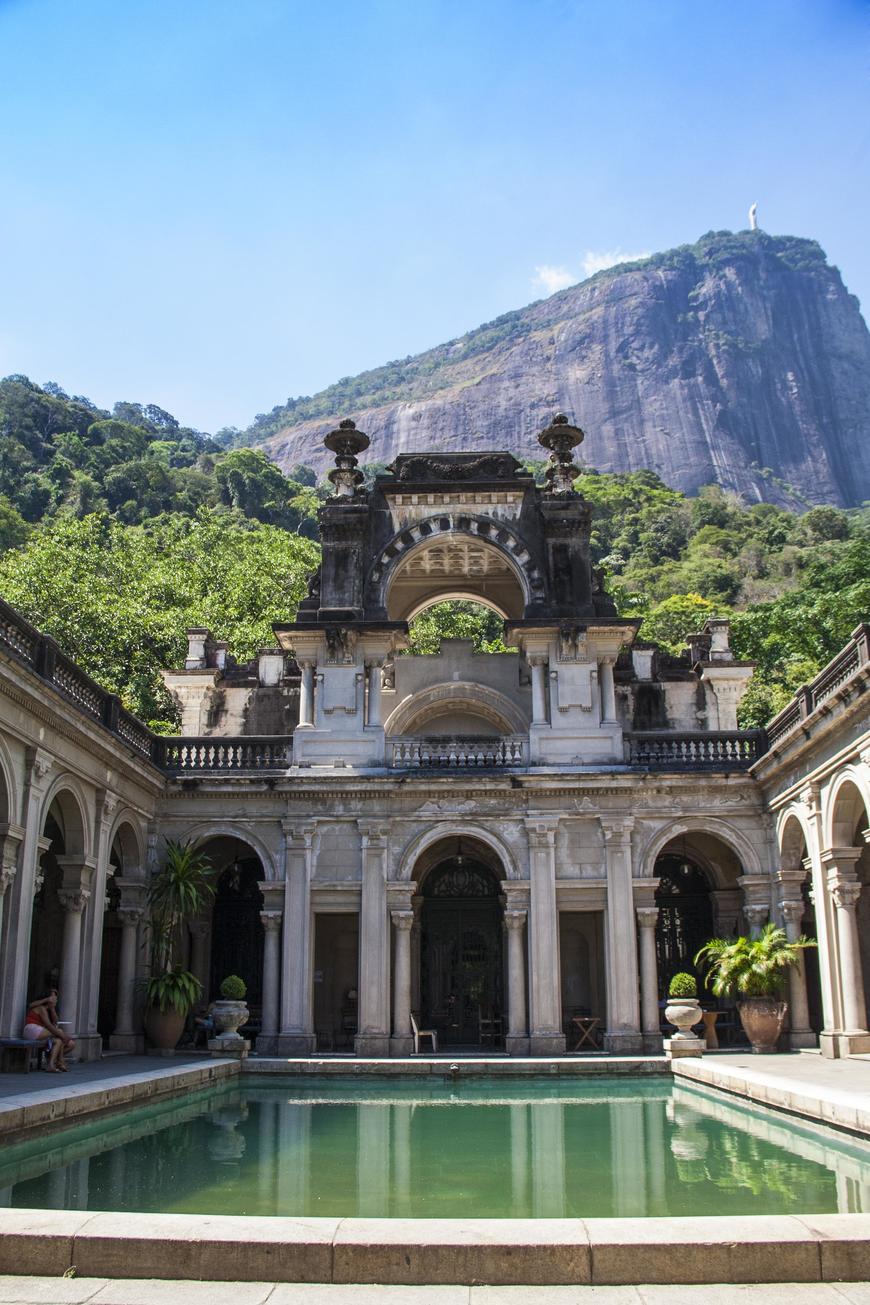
x=623, y=1034
x=90, y=1043
x=539, y=696
x=124, y=1037
x=297, y=1030
x=375, y=671
x=18, y=905
x=271, y=921
x=306, y=696
x=73, y=899
x=800, y=1034
x=647, y=919
x=517, y=1040
x=545, y=1035
x=10, y=842
x=402, y=1042
x=826, y=924
x=608, y=691
x=845, y=890
x=373, y=1038
x=417, y=907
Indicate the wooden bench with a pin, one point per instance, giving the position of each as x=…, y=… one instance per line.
x=19, y=1054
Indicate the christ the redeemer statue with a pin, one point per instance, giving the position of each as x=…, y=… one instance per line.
x=753, y=217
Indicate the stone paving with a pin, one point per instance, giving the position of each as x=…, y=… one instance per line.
x=93, y=1072
x=135, y=1291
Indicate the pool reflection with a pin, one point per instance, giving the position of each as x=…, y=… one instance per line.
x=609, y=1149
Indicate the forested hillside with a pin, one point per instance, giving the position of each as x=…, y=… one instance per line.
x=121, y=529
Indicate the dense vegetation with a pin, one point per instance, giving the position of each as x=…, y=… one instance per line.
x=121, y=529
x=416, y=377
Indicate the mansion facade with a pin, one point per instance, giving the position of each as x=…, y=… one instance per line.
x=516, y=848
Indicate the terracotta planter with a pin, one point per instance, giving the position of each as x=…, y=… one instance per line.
x=164, y=1028
x=762, y=1019
x=683, y=1013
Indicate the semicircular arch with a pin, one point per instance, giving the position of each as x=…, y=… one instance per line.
x=67, y=795
x=412, y=712
x=514, y=583
x=127, y=831
x=8, y=787
x=847, y=802
x=734, y=839
x=205, y=831
x=446, y=830
x=792, y=838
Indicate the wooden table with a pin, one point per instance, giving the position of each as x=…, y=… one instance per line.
x=710, y=1017
x=587, y=1027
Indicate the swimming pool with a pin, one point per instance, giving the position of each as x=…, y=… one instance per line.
x=626, y=1147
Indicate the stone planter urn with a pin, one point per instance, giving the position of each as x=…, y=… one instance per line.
x=683, y=1013
x=762, y=1019
x=228, y=1017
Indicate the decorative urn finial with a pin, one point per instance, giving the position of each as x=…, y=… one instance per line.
x=560, y=437
x=346, y=442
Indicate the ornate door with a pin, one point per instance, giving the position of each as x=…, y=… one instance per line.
x=461, y=956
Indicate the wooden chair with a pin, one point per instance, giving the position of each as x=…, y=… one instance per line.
x=423, y=1033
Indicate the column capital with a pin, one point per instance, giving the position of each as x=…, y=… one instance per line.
x=130, y=916
x=271, y=920
x=845, y=892
x=541, y=831
x=756, y=914
x=514, y=919
x=792, y=909
x=403, y=920
x=199, y=928
x=106, y=804
x=298, y=832
x=647, y=916
x=73, y=900
x=39, y=765
x=617, y=828
x=374, y=834
x=537, y=659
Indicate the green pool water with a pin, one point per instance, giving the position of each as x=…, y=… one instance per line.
x=481, y=1149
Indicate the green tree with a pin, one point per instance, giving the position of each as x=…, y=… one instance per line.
x=669, y=623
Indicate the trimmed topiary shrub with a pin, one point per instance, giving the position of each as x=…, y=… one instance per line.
x=683, y=985
x=233, y=988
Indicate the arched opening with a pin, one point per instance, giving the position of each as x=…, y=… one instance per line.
x=850, y=820
x=461, y=958
x=236, y=933
x=62, y=837
x=46, y=933
x=454, y=565
x=685, y=920
x=793, y=854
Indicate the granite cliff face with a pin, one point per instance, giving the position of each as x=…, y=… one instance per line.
x=741, y=360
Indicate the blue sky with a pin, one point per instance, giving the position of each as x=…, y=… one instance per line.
x=211, y=205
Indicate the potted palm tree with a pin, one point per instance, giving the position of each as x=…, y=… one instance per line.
x=754, y=970
x=180, y=889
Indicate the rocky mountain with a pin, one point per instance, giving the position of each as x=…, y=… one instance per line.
x=741, y=360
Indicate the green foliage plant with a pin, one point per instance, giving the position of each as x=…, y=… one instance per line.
x=181, y=888
x=174, y=989
x=751, y=967
x=233, y=988
x=683, y=986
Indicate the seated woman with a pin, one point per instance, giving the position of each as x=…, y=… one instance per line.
x=40, y=1023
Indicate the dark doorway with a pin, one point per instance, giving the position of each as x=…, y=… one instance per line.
x=336, y=966
x=46, y=936
x=461, y=951
x=237, y=931
x=685, y=916
x=811, y=960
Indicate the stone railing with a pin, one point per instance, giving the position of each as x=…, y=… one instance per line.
x=455, y=753
x=43, y=656
x=215, y=755
x=838, y=671
x=698, y=750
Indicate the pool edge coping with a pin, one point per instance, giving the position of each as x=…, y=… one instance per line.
x=500, y=1252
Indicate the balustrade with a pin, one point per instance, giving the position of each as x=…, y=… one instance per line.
x=451, y=753
x=712, y=750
